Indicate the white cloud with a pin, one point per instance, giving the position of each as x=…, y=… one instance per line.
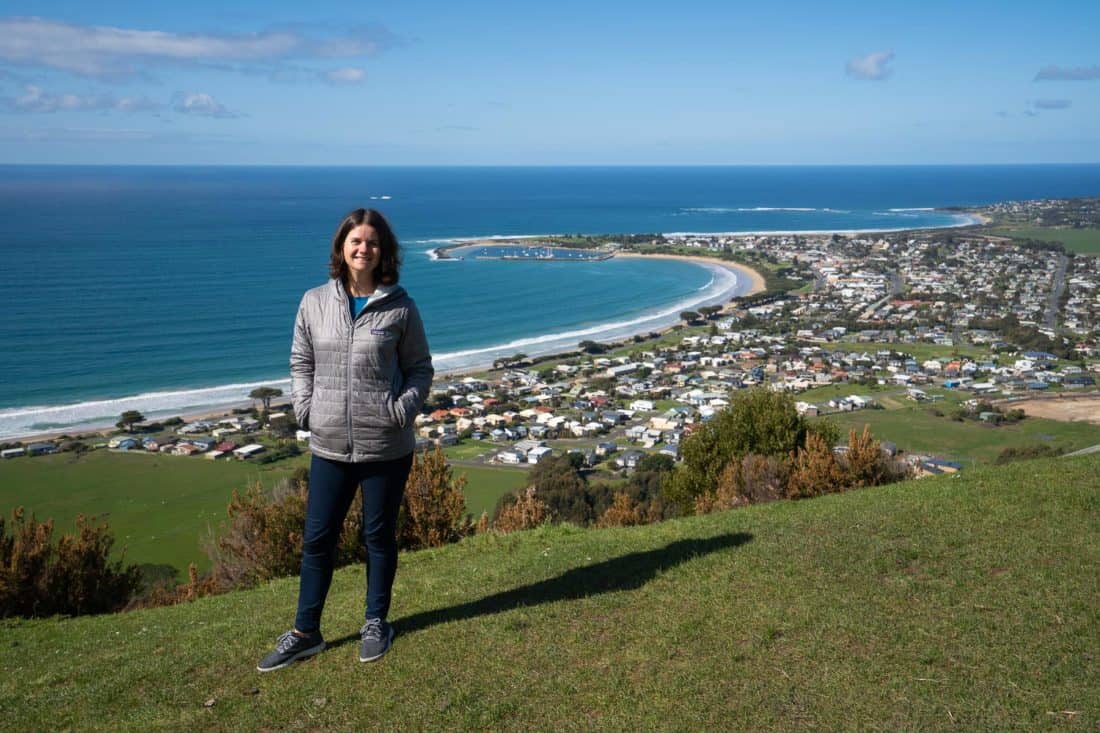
x=871, y=67
x=346, y=75
x=35, y=100
x=108, y=51
x=1059, y=73
x=1052, y=104
x=201, y=104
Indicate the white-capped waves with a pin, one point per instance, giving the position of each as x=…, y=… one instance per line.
x=19, y=421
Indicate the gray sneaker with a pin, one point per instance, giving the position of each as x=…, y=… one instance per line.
x=377, y=636
x=289, y=648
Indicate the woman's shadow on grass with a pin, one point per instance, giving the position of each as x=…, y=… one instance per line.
x=626, y=572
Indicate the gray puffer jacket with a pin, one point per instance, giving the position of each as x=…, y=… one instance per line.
x=358, y=386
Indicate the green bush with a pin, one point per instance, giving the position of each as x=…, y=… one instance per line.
x=757, y=421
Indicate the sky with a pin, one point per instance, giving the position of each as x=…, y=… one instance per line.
x=563, y=83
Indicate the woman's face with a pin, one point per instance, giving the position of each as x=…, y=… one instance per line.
x=362, y=250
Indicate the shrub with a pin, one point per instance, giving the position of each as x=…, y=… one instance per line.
x=434, y=510
x=863, y=460
x=865, y=464
x=757, y=421
x=753, y=479
x=287, y=449
x=815, y=471
x=623, y=512
x=525, y=512
x=75, y=576
x=1024, y=453
x=262, y=537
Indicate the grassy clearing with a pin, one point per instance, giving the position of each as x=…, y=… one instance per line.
x=917, y=429
x=485, y=485
x=1084, y=241
x=157, y=506
x=921, y=351
x=470, y=449
x=963, y=602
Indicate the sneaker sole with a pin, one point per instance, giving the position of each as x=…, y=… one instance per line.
x=389, y=643
x=304, y=654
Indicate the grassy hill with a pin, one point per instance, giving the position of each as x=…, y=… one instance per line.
x=966, y=602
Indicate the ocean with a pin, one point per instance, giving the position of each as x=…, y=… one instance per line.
x=170, y=289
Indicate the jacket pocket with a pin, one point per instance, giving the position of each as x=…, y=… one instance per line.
x=393, y=407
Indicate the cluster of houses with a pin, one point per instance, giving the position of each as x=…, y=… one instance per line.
x=1081, y=312
x=209, y=438
x=650, y=400
x=907, y=280
x=211, y=448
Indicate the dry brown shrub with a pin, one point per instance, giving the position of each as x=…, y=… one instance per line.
x=752, y=479
x=623, y=512
x=760, y=479
x=865, y=463
x=435, y=505
x=483, y=523
x=261, y=538
x=815, y=471
x=527, y=512
x=75, y=576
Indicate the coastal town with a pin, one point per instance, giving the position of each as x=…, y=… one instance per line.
x=967, y=317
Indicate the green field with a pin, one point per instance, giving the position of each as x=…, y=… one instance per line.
x=158, y=507
x=921, y=351
x=470, y=449
x=959, y=603
x=484, y=485
x=1084, y=241
x=916, y=429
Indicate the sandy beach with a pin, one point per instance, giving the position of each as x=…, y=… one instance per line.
x=754, y=277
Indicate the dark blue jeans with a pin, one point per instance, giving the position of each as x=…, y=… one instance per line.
x=332, y=487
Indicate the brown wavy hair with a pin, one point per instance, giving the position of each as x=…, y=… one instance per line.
x=389, y=264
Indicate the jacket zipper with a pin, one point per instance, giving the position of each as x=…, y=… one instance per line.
x=351, y=346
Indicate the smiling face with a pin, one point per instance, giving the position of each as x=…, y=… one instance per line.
x=362, y=253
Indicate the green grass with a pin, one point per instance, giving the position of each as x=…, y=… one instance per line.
x=962, y=603
x=921, y=351
x=484, y=485
x=470, y=449
x=158, y=506
x=1084, y=241
x=916, y=429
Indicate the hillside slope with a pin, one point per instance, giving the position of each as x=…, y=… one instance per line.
x=967, y=601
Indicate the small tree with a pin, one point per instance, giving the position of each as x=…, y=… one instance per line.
x=592, y=347
x=128, y=419
x=623, y=512
x=435, y=506
x=689, y=317
x=815, y=471
x=265, y=395
x=709, y=311
x=757, y=421
x=527, y=512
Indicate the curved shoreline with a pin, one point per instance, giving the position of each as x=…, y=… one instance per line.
x=730, y=279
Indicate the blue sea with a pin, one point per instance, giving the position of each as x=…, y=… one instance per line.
x=169, y=289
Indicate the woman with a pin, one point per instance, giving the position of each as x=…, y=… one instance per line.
x=360, y=370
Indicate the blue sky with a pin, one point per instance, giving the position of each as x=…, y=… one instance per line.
x=494, y=83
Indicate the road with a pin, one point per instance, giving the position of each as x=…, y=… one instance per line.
x=1056, y=288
